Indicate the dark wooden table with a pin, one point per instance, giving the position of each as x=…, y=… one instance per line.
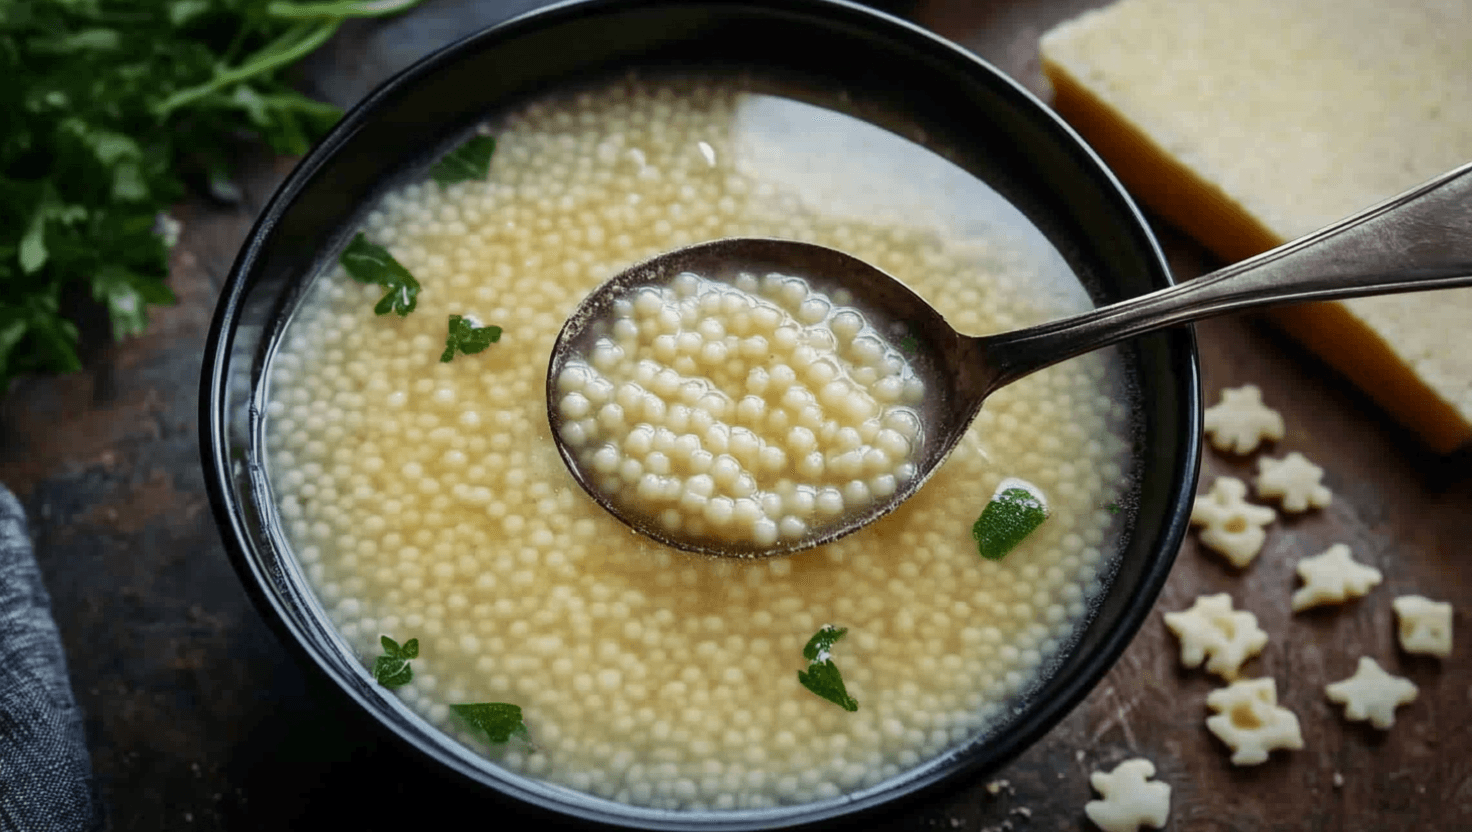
x=199, y=719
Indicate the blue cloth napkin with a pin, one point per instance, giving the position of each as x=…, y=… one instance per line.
x=46, y=782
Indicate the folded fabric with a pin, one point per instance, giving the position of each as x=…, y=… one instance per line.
x=46, y=782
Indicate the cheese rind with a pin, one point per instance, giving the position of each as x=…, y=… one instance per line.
x=1249, y=123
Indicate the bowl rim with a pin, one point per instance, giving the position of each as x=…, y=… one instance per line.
x=946, y=770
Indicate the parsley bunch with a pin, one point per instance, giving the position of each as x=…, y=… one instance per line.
x=106, y=108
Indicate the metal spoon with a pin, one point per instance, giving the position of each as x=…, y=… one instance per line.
x=1417, y=241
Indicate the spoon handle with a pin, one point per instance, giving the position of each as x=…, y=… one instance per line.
x=1419, y=240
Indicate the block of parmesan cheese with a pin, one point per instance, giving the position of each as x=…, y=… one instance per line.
x=1248, y=123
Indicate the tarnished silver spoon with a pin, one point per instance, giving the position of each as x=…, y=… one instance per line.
x=1417, y=241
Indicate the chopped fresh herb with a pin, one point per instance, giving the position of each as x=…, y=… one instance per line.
x=468, y=338
x=369, y=263
x=824, y=679
x=1112, y=508
x=822, y=642
x=822, y=676
x=499, y=720
x=1015, y=511
x=110, y=108
x=468, y=162
x=392, y=669
x=910, y=344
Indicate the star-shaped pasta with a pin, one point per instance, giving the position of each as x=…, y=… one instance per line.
x=1131, y=800
x=1372, y=694
x=1212, y=627
x=1234, y=527
x=1425, y=625
x=1332, y=577
x=1249, y=720
x=1241, y=421
x=1294, y=481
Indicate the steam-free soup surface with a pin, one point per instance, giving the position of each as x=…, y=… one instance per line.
x=426, y=500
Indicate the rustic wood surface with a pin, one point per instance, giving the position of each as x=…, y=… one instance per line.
x=198, y=718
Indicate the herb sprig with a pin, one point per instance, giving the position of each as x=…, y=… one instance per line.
x=392, y=669
x=465, y=337
x=468, y=162
x=499, y=720
x=822, y=676
x=367, y=262
x=110, y=107
x=1014, y=512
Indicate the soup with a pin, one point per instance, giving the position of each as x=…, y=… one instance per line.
x=426, y=500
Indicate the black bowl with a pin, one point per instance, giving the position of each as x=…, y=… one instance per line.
x=995, y=130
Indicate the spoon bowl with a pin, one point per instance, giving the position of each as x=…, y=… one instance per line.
x=938, y=354
x=1420, y=240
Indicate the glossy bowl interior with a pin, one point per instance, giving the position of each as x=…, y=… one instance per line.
x=994, y=129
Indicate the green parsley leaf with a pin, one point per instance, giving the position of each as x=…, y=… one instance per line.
x=824, y=679
x=369, y=263
x=126, y=295
x=392, y=669
x=468, y=162
x=823, y=641
x=500, y=721
x=468, y=338
x=1015, y=511
x=822, y=676
x=49, y=209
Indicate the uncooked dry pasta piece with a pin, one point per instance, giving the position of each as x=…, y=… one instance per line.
x=1130, y=799
x=1250, y=721
x=1425, y=625
x=1294, y=481
x=1372, y=694
x=1210, y=627
x=1333, y=577
x=1241, y=421
x=1234, y=527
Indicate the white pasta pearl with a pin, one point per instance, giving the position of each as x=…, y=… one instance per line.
x=574, y=406
x=719, y=510
x=751, y=409
x=811, y=466
x=846, y=324
x=829, y=501
x=725, y=470
x=606, y=459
